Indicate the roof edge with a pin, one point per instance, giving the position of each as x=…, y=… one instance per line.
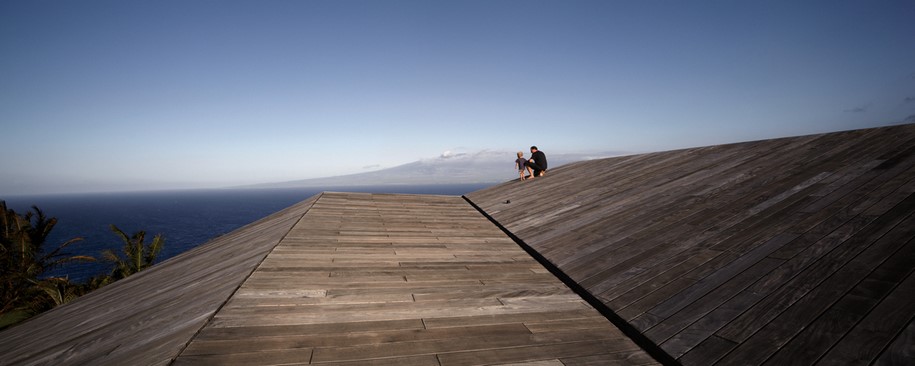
x=630, y=331
x=311, y=204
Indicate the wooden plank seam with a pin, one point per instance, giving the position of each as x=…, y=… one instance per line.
x=242, y=282
x=630, y=331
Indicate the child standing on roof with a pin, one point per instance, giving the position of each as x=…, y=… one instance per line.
x=521, y=165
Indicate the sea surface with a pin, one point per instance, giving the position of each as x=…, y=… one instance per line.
x=185, y=219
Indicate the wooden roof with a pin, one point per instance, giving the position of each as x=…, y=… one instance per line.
x=403, y=280
x=795, y=250
x=146, y=319
x=344, y=278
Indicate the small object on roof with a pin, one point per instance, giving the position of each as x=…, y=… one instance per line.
x=508, y=201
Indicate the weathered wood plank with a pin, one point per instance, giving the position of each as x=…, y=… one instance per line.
x=501, y=344
x=776, y=333
x=808, y=280
x=441, y=276
x=787, y=250
x=708, y=352
x=148, y=318
x=682, y=331
x=367, y=339
x=870, y=337
x=612, y=359
x=215, y=333
x=902, y=350
x=454, y=321
x=424, y=360
x=702, y=248
x=533, y=353
x=287, y=356
x=817, y=338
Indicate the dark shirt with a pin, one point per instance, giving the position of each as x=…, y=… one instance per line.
x=539, y=159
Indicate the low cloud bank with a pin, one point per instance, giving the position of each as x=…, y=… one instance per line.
x=487, y=166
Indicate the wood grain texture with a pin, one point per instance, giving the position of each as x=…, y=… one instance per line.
x=758, y=252
x=403, y=279
x=148, y=318
x=794, y=250
x=342, y=278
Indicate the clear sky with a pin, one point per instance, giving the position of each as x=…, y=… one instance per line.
x=112, y=95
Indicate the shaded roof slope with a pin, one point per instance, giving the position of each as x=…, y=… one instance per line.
x=148, y=318
x=791, y=250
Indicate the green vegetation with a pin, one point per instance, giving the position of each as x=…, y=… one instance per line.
x=26, y=290
x=137, y=255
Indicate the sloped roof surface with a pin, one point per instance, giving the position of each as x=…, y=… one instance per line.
x=343, y=278
x=148, y=318
x=404, y=280
x=795, y=250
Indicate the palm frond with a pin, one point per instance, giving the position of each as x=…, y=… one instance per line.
x=120, y=234
x=110, y=256
x=74, y=258
x=57, y=251
x=153, y=250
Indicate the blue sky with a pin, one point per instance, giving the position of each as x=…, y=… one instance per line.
x=116, y=95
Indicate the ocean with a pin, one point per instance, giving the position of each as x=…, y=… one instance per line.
x=185, y=218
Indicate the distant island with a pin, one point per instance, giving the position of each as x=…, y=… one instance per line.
x=459, y=168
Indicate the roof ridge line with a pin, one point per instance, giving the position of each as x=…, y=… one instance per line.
x=629, y=330
x=242, y=282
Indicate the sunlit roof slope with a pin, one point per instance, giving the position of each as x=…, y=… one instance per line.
x=786, y=251
x=148, y=318
x=404, y=280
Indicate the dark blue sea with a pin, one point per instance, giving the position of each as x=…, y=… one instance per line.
x=185, y=219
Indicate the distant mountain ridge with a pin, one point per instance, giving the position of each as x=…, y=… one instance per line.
x=449, y=168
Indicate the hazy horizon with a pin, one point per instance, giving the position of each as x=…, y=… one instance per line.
x=110, y=95
x=477, y=167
